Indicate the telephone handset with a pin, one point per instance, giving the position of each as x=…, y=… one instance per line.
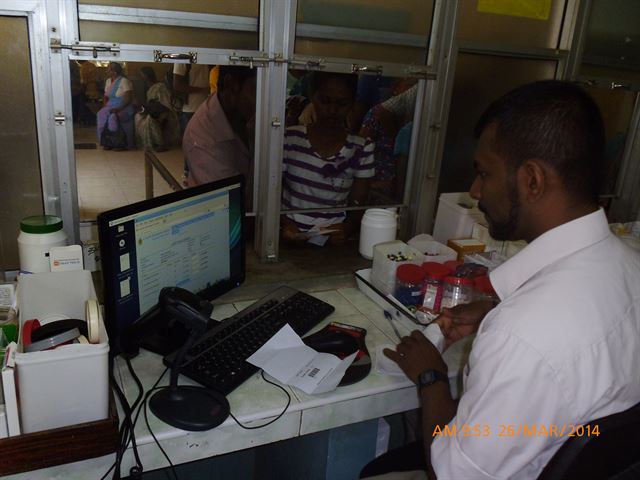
x=156, y=329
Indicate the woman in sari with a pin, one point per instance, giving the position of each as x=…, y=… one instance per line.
x=118, y=94
x=157, y=124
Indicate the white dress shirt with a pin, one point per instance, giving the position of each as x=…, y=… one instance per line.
x=561, y=349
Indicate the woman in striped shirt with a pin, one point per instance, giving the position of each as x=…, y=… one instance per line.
x=324, y=166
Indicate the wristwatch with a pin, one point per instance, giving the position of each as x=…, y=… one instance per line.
x=431, y=376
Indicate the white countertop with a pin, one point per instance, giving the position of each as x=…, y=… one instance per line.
x=256, y=402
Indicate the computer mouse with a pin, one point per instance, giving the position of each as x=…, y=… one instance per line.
x=338, y=343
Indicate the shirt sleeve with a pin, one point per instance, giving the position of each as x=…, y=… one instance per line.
x=510, y=391
x=366, y=167
x=403, y=104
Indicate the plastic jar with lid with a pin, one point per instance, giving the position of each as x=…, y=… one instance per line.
x=378, y=225
x=432, y=290
x=37, y=235
x=456, y=291
x=484, y=290
x=409, y=282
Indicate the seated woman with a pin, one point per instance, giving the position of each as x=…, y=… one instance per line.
x=157, y=124
x=118, y=94
x=324, y=166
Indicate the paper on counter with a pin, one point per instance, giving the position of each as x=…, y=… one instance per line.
x=287, y=359
x=387, y=366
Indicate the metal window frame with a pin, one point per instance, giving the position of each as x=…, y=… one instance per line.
x=57, y=178
x=429, y=132
x=279, y=39
x=67, y=34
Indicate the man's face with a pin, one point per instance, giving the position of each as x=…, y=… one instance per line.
x=496, y=189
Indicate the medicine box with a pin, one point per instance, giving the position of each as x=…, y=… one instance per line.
x=465, y=246
x=456, y=215
x=387, y=257
x=67, y=385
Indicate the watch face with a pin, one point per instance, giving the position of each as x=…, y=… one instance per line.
x=430, y=376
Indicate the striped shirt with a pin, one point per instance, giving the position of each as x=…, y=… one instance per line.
x=311, y=181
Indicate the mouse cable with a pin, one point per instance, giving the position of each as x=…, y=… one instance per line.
x=246, y=427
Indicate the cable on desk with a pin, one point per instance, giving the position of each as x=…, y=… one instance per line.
x=127, y=429
x=270, y=421
x=146, y=420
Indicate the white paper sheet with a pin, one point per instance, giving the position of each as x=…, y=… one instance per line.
x=287, y=359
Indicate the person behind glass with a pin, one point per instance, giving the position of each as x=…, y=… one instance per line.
x=219, y=137
x=324, y=166
x=118, y=96
x=157, y=126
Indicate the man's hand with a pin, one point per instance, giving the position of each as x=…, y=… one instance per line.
x=415, y=354
x=462, y=320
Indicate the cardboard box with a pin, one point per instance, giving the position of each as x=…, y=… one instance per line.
x=70, y=384
x=464, y=246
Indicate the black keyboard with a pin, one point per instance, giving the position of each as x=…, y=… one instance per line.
x=217, y=360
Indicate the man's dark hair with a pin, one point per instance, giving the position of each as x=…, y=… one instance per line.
x=320, y=78
x=557, y=122
x=239, y=74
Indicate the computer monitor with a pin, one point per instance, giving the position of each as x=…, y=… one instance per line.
x=193, y=239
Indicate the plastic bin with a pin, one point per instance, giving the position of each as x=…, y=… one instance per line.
x=70, y=384
x=456, y=215
x=433, y=251
x=383, y=272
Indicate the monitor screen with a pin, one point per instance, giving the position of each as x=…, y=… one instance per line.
x=191, y=239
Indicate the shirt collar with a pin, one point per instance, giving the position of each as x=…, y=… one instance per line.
x=548, y=248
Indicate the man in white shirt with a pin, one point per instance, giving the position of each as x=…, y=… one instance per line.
x=561, y=346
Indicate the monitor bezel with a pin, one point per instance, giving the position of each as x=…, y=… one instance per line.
x=114, y=325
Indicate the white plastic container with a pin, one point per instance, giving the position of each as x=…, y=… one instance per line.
x=456, y=215
x=377, y=226
x=67, y=385
x=433, y=251
x=383, y=271
x=37, y=235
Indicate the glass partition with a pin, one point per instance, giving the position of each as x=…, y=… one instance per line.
x=612, y=44
x=21, y=193
x=616, y=107
x=475, y=86
x=395, y=32
x=156, y=116
x=231, y=25
x=517, y=25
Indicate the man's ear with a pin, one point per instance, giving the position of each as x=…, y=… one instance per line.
x=533, y=179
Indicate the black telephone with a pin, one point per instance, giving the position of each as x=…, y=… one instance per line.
x=157, y=331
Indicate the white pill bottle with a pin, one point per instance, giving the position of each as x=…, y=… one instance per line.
x=37, y=235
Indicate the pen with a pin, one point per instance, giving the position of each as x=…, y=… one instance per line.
x=388, y=316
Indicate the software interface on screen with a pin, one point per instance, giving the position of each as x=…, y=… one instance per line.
x=187, y=243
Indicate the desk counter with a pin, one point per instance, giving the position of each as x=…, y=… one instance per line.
x=257, y=402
